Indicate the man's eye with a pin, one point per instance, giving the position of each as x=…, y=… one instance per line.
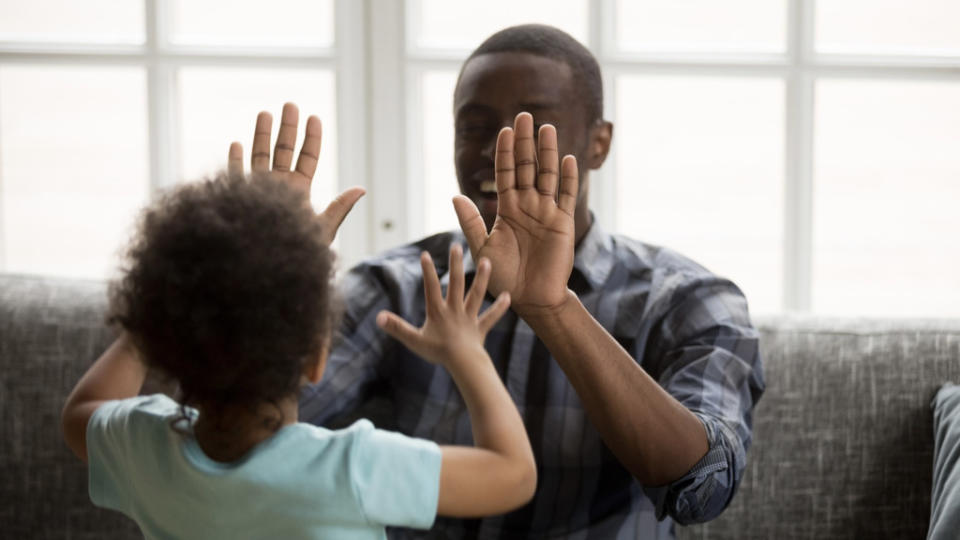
x=473, y=130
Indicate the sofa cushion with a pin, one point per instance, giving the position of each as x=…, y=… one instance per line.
x=945, y=509
x=843, y=436
x=50, y=333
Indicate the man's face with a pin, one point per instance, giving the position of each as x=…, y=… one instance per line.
x=493, y=89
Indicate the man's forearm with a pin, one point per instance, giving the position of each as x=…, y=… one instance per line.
x=655, y=437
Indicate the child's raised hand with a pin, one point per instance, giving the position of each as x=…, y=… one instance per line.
x=454, y=329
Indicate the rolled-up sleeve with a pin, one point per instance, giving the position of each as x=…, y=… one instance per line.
x=705, y=353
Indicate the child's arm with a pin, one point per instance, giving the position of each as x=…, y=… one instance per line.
x=498, y=474
x=117, y=374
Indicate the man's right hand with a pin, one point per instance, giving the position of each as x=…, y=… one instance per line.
x=531, y=244
x=302, y=176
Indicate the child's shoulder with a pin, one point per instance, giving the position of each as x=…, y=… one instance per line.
x=144, y=408
x=362, y=438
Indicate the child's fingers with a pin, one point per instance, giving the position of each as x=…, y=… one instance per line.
x=399, y=329
x=479, y=287
x=431, y=283
x=455, y=289
x=490, y=317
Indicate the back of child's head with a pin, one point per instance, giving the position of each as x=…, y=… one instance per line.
x=227, y=289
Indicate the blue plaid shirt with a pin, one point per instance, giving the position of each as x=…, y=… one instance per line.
x=688, y=328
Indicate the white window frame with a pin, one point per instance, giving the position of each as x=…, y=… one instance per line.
x=378, y=72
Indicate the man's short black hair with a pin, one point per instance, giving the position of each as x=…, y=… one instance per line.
x=550, y=42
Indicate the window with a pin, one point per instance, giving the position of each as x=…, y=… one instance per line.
x=104, y=103
x=807, y=150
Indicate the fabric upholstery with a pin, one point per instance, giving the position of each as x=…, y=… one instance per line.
x=945, y=508
x=50, y=332
x=843, y=440
x=843, y=437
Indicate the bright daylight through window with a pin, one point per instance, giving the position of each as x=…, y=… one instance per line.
x=803, y=149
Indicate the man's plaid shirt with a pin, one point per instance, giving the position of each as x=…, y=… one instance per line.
x=688, y=328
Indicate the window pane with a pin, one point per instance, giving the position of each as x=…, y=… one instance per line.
x=700, y=170
x=104, y=21
x=702, y=25
x=252, y=22
x=442, y=24
x=887, y=173
x=888, y=26
x=439, y=175
x=73, y=166
x=220, y=105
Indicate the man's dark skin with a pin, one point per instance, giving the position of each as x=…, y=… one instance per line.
x=528, y=231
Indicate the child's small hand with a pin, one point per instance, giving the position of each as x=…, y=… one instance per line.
x=453, y=331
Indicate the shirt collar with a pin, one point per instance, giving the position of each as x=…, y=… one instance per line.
x=594, y=258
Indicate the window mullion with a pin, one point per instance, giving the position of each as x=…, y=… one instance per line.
x=798, y=192
x=160, y=99
x=351, y=31
x=602, y=41
x=386, y=150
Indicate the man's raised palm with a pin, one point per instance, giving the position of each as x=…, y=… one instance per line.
x=531, y=243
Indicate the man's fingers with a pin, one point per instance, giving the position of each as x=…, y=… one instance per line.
x=525, y=151
x=547, y=175
x=569, y=182
x=260, y=153
x=471, y=223
x=431, y=284
x=338, y=209
x=310, y=151
x=478, y=288
x=504, y=168
x=496, y=310
x=455, y=285
x=235, y=160
x=286, y=138
x=398, y=328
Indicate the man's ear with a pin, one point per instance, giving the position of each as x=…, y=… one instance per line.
x=601, y=134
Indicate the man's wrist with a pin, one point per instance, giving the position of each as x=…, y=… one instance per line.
x=538, y=315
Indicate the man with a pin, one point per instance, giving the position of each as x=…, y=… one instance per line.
x=635, y=369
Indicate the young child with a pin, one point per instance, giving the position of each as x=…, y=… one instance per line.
x=228, y=290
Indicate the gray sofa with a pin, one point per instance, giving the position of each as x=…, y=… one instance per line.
x=843, y=444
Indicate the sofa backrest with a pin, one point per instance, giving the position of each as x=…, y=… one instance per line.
x=843, y=442
x=843, y=435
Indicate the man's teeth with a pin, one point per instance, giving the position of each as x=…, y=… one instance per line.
x=488, y=186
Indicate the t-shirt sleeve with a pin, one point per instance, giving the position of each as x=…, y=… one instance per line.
x=107, y=485
x=112, y=431
x=396, y=478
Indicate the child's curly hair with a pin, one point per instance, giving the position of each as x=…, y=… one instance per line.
x=227, y=289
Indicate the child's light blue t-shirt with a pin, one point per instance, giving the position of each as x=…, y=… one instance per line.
x=303, y=482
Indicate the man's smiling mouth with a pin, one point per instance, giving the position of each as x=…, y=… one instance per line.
x=488, y=187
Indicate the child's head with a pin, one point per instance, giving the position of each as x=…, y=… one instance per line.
x=227, y=289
